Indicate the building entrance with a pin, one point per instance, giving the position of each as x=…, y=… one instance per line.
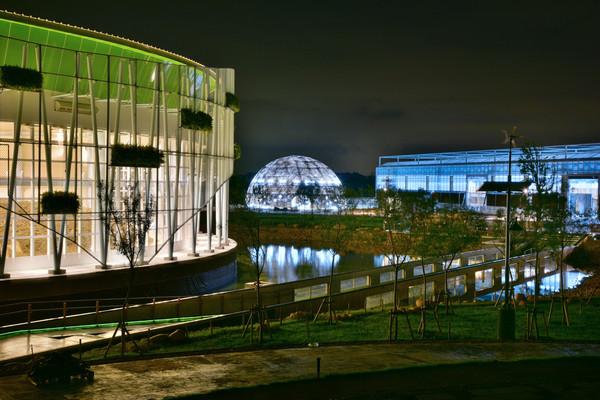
x=583, y=195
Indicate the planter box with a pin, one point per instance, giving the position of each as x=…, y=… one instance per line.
x=232, y=102
x=17, y=78
x=196, y=120
x=128, y=155
x=60, y=203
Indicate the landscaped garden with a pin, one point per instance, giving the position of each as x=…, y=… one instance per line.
x=470, y=322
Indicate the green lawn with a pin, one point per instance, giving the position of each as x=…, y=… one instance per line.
x=471, y=321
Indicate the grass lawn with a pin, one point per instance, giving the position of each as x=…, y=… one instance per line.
x=471, y=321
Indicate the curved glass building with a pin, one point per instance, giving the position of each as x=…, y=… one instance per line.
x=293, y=183
x=100, y=90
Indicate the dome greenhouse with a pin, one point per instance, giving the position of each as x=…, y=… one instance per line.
x=294, y=183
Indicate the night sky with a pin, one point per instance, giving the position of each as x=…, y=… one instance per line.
x=346, y=82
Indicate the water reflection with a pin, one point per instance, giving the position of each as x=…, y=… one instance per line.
x=289, y=263
x=548, y=285
x=551, y=284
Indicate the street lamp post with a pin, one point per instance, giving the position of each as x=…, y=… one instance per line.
x=506, y=315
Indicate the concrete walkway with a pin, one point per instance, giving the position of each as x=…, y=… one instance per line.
x=173, y=376
x=15, y=348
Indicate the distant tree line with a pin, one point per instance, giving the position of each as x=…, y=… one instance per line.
x=355, y=185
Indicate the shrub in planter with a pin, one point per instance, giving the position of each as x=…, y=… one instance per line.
x=196, y=120
x=232, y=101
x=13, y=77
x=129, y=155
x=60, y=203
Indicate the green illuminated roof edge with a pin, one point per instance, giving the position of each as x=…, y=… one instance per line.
x=113, y=40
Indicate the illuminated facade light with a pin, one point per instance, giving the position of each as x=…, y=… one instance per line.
x=457, y=177
x=99, y=90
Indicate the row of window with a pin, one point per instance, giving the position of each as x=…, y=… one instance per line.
x=484, y=279
x=562, y=167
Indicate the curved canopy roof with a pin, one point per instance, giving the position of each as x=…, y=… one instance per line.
x=59, y=44
x=56, y=34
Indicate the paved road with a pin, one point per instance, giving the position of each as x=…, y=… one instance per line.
x=159, y=378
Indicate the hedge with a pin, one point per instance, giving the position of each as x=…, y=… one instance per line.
x=60, y=203
x=232, y=101
x=196, y=120
x=129, y=155
x=13, y=77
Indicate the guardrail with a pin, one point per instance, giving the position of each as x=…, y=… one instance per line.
x=353, y=290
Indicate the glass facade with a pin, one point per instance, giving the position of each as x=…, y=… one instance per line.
x=456, y=177
x=276, y=185
x=99, y=90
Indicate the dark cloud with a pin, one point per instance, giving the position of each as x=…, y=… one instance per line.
x=348, y=81
x=372, y=113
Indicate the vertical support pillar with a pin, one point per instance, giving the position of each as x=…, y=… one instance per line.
x=168, y=211
x=69, y=162
x=176, y=183
x=209, y=206
x=12, y=180
x=97, y=160
x=226, y=212
x=218, y=217
x=153, y=134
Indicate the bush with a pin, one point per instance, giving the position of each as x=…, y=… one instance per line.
x=237, y=151
x=129, y=155
x=196, y=120
x=587, y=254
x=60, y=203
x=57, y=367
x=13, y=77
x=232, y=102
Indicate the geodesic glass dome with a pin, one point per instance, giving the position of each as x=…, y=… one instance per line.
x=289, y=183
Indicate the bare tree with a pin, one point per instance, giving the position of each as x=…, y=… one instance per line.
x=308, y=193
x=539, y=203
x=456, y=230
x=399, y=211
x=128, y=224
x=337, y=239
x=248, y=226
x=561, y=229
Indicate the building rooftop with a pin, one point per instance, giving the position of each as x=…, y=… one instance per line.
x=562, y=152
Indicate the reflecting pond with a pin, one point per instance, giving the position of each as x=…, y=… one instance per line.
x=289, y=263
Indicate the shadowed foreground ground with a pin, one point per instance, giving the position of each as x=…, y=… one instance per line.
x=565, y=378
x=573, y=377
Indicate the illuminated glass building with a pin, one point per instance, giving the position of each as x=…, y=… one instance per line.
x=456, y=177
x=100, y=90
x=279, y=183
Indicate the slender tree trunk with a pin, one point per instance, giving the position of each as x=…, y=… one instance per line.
x=330, y=297
x=536, y=280
x=446, y=287
x=563, y=302
x=259, y=306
